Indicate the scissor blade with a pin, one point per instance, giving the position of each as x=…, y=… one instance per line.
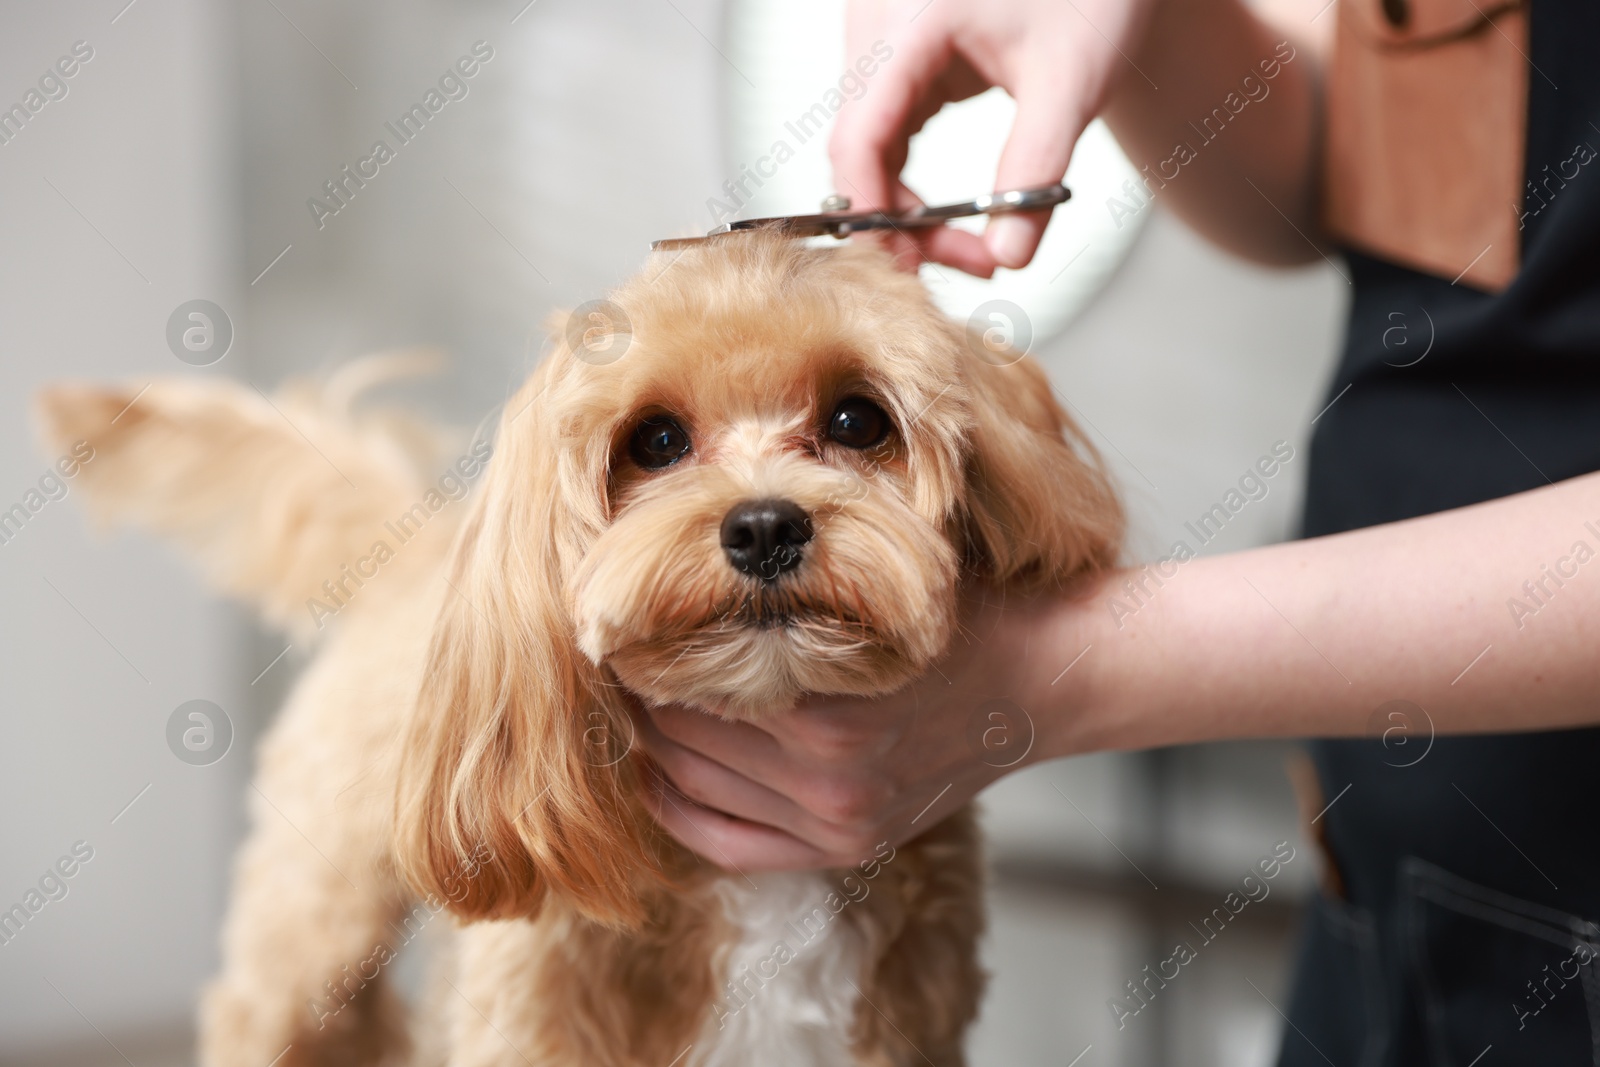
x=843, y=223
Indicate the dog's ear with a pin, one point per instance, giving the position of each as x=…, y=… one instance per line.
x=1040, y=509
x=516, y=780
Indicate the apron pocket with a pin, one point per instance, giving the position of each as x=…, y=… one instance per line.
x=1495, y=971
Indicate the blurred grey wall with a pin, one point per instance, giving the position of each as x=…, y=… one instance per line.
x=179, y=166
x=120, y=203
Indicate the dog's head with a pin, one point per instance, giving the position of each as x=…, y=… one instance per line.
x=774, y=489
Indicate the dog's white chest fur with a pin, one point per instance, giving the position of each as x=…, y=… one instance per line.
x=791, y=977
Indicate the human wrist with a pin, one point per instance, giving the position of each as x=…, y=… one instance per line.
x=1077, y=688
x=1149, y=657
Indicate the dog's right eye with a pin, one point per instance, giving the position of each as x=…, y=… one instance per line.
x=658, y=442
x=859, y=423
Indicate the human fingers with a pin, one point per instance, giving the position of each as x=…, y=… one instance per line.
x=839, y=806
x=1052, y=112
x=712, y=785
x=731, y=843
x=871, y=135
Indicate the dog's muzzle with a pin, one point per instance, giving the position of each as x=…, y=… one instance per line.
x=763, y=538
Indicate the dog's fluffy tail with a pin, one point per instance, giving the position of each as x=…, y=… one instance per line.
x=272, y=495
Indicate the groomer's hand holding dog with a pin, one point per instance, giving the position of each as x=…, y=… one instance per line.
x=1056, y=60
x=1415, y=608
x=827, y=783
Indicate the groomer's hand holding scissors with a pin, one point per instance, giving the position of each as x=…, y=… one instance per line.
x=1057, y=59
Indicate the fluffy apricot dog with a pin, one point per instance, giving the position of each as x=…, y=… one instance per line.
x=771, y=479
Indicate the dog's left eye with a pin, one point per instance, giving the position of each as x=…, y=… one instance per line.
x=658, y=442
x=858, y=423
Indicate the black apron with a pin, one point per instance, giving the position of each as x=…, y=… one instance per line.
x=1469, y=928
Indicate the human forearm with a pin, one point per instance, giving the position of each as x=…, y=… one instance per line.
x=1219, y=112
x=1310, y=638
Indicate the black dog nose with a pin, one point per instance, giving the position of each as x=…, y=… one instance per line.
x=763, y=537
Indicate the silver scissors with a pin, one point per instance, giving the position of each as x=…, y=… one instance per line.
x=837, y=220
